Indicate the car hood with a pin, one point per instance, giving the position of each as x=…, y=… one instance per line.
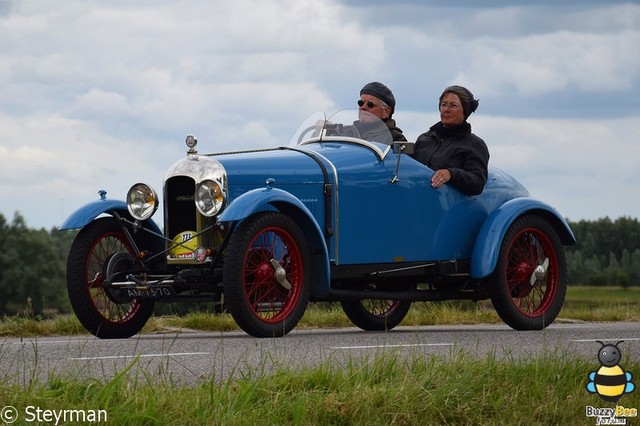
x=284, y=165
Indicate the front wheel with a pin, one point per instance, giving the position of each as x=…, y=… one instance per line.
x=98, y=311
x=530, y=280
x=266, y=274
x=376, y=315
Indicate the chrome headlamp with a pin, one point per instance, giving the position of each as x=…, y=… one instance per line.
x=142, y=201
x=209, y=197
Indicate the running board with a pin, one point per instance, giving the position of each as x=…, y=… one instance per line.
x=414, y=295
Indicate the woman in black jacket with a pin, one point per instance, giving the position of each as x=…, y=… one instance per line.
x=457, y=155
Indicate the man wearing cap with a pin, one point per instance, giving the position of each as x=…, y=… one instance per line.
x=376, y=99
x=448, y=147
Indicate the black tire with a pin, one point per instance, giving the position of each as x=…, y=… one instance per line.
x=530, y=243
x=258, y=302
x=99, y=313
x=376, y=315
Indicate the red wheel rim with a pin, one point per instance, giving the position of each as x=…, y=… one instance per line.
x=267, y=298
x=528, y=251
x=105, y=246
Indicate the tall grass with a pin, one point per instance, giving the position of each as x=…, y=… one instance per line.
x=386, y=389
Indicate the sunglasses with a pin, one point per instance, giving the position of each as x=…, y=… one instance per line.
x=370, y=104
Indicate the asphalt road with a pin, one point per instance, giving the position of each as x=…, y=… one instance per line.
x=188, y=357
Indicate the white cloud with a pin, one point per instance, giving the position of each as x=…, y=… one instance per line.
x=101, y=94
x=532, y=54
x=100, y=104
x=48, y=159
x=586, y=169
x=544, y=64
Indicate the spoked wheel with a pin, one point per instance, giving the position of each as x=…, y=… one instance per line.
x=266, y=282
x=530, y=280
x=99, y=312
x=376, y=315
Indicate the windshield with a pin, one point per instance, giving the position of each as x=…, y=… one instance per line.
x=343, y=125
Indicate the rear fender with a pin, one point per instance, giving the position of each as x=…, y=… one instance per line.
x=487, y=246
x=276, y=199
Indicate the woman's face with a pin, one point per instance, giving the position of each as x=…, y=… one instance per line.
x=451, y=111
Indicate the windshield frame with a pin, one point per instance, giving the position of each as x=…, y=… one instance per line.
x=317, y=126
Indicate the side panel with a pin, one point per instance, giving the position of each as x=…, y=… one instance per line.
x=487, y=245
x=408, y=221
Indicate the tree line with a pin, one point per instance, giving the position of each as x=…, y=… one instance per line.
x=32, y=268
x=606, y=252
x=33, y=261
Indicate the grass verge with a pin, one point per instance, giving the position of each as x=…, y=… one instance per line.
x=384, y=390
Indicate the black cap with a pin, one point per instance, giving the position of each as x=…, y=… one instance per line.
x=381, y=92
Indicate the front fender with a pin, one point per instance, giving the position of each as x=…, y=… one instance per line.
x=487, y=246
x=87, y=213
x=261, y=198
x=256, y=199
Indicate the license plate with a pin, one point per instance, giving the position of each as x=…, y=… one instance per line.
x=156, y=292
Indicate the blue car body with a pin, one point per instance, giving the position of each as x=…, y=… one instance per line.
x=372, y=220
x=367, y=212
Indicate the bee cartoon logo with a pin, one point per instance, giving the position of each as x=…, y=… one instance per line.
x=610, y=381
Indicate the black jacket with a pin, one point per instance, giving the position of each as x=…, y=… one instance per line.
x=375, y=131
x=455, y=148
x=396, y=132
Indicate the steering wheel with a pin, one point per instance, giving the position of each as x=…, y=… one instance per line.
x=304, y=132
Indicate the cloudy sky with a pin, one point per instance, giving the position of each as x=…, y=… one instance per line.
x=100, y=94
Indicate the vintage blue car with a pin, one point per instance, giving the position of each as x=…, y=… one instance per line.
x=332, y=216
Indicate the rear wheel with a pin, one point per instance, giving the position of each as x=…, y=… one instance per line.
x=530, y=280
x=376, y=315
x=266, y=275
x=100, y=313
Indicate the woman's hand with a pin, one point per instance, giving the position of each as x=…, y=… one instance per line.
x=440, y=177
